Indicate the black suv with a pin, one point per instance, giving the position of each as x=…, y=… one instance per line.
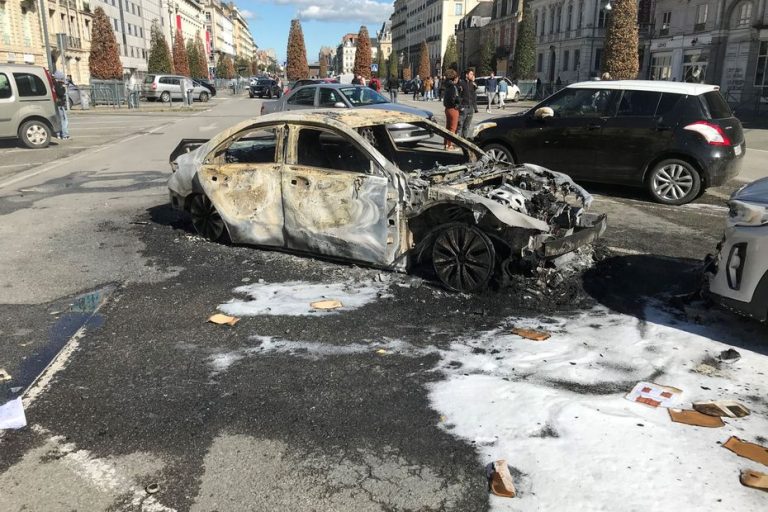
x=265, y=87
x=675, y=139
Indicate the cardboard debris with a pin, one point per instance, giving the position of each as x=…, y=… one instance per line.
x=754, y=479
x=728, y=408
x=12, y=415
x=326, y=304
x=4, y=375
x=654, y=395
x=221, y=319
x=747, y=450
x=530, y=334
x=381, y=351
x=501, y=480
x=696, y=418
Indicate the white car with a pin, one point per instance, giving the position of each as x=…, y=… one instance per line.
x=738, y=275
x=513, y=91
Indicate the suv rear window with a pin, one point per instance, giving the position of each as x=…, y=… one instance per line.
x=149, y=79
x=29, y=85
x=715, y=105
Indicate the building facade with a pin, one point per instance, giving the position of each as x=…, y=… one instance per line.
x=244, y=47
x=219, y=33
x=502, y=29
x=471, y=33
x=723, y=42
x=345, y=54
x=384, y=38
x=433, y=21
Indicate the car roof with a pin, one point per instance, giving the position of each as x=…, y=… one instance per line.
x=336, y=85
x=21, y=67
x=648, y=85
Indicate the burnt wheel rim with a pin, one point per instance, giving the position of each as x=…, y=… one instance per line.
x=672, y=182
x=499, y=155
x=206, y=219
x=463, y=258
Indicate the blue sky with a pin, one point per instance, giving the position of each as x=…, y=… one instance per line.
x=322, y=21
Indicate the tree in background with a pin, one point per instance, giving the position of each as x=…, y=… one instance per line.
x=363, y=54
x=104, y=62
x=621, y=59
x=202, y=57
x=159, y=60
x=192, y=58
x=451, y=57
x=242, y=65
x=381, y=61
x=524, y=63
x=407, y=73
x=424, y=68
x=323, y=67
x=297, y=53
x=487, y=58
x=254, y=67
x=392, y=64
x=225, y=68
x=180, y=62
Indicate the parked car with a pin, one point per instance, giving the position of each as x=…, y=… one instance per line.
x=168, y=87
x=513, y=91
x=332, y=95
x=27, y=105
x=333, y=183
x=73, y=95
x=408, y=86
x=207, y=84
x=674, y=139
x=265, y=87
x=737, y=276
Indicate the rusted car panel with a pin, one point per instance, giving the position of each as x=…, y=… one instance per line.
x=332, y=191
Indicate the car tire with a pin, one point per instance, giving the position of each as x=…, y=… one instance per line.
x=516, y=98
x=35, y=134
x=206, y=219
x=165, y=97
x=203, y=97
x=70, y=103
x=269, y=95
x=250, y=95
x=673, y=182
x=463, y=257
x=499, y=153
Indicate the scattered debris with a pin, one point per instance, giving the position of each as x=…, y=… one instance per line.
x=221, y=319
x=12, y=415
x=754, y=479
x=500, y=479
x=382, y=352
x=152, y=488
x=652, y=394
x=729, y=408
x=691, y=417
x=4, y=375
x=708, y=370
x=531, y=334
x=16, y=389
x=729, y=356
x=326, y=304
x=747, y=450
x=139, y=223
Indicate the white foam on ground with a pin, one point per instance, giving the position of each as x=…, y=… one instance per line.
x=509, y=404
x=293, y=298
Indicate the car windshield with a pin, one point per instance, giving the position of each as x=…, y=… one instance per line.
x=263, y=82
x=361, y=96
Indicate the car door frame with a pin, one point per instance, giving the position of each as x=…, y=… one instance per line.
x=373, y=236
x=9, y=109
x=301, y=107
x=247, y=196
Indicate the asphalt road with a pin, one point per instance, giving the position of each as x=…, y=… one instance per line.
x=220, y=419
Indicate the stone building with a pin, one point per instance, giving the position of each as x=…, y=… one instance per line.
x=384, y=37
x=21, y=40
x=502, y=29
x=219, y=33
x=470, y=34
x=244, y=46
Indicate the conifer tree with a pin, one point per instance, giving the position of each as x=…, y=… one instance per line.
x=104, y=61
x=392, y=63
x=323, y=67
x=487, y=58
x=229, y=67
x=297, y=67
x=192, y=58
x=202, y=58
x=363, y=54
x=451, y=57
x=424, y=67
x=621, y=59
x=159, y=60
x=524, y=63
x=180, y=62
x=381, y=61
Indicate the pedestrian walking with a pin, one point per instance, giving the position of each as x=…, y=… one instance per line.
x=491, y=88
x=452, y=103
x=468, y=102
x=358, y=80
x=503, y=90
x=441, y=89
x=436, y=87
x=61, y=104
x=393, y=85
x=538, y=88
x=416, y=88
x=428, y=89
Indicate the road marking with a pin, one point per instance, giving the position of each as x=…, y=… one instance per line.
x=629, y=252
x=719, y=195
x=760, y=150
x=17, y=165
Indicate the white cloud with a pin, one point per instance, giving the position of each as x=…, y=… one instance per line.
x=364, y=11
x=245, y=13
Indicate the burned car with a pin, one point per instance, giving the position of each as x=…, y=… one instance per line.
x=337, y=184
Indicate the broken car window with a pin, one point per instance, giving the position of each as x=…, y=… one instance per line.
x=323, y=148
x=253, y=147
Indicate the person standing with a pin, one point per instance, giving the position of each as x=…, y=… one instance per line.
x=538, y=88
x=451, y=102
x=393, y=84
x=468, y=102
x=491, y=88
x=428, y=89
x=503, y=90
x=435, y=87
x=416, y=88
x=189, y=90
x=358, y=80
x=61, y=104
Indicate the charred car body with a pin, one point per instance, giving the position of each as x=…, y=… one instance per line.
x=337, y=184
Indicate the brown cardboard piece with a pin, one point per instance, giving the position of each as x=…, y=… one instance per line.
x=690, y=417
x=326, y=304
x=501, y=480
x=747, y=450
x=729, y=408
x=754, y=479
x=220, y=319
x=531, y=334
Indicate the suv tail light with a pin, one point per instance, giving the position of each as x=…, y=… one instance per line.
x=154, y=86
x=712, y=133
x=51, y=85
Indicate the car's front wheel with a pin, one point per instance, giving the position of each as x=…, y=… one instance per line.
x=674, y=182
x=35, y=134
x=516, y=98
x=165, y=97
x=206, y=219
x=463, y=257
x=499, y=153
x=203, y=97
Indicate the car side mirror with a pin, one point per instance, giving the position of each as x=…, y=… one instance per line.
x=339, y=104
x=543, y=113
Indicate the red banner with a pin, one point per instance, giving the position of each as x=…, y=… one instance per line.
x=178, y=22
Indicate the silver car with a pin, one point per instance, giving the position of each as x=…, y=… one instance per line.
x=333, y=95
x=168, y=87
x=27, y=107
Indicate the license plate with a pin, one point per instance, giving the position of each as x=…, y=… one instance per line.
x=737, y=149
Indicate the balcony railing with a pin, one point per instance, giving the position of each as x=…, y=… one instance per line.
x=72, y=4
x=74, y=42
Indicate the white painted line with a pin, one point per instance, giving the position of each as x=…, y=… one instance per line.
x=55, y=366
x=717, y=194
x=630, y=252
x=17, y=165
x=755, y=149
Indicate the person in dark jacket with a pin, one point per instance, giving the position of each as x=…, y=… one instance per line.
x=393, y=84
x=451, y=102
x=61, y=104
x=491, y=88
x=468, y=102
